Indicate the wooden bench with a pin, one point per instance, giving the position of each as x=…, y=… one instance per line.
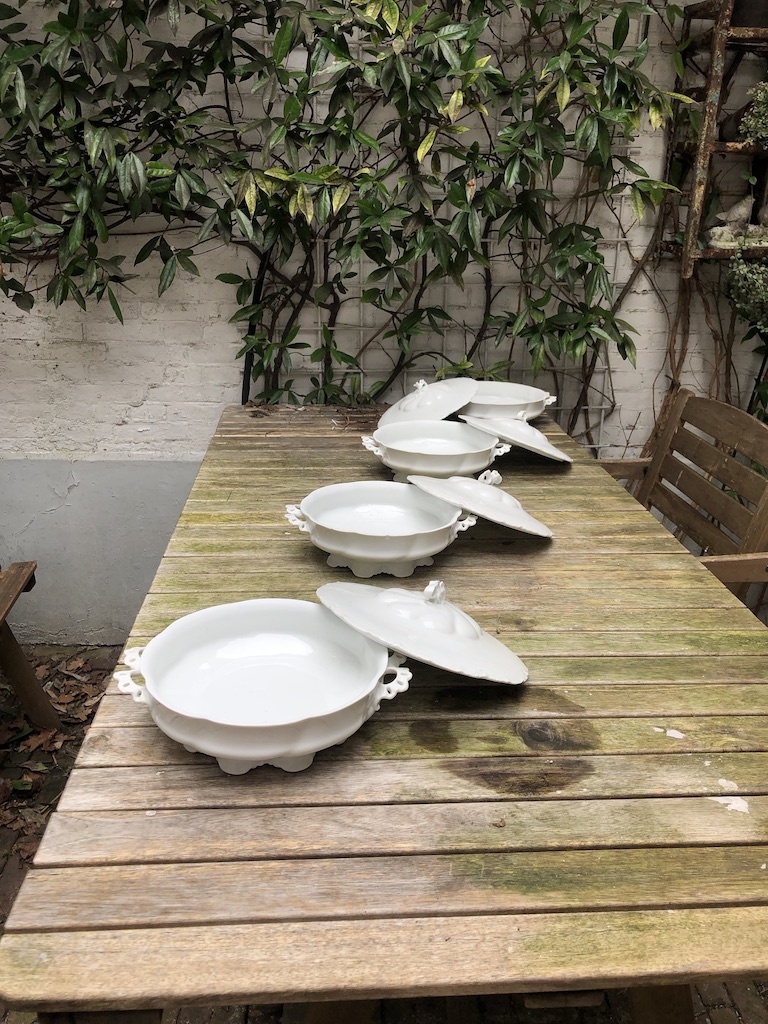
x=18, y=578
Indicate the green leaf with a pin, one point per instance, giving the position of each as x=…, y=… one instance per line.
x=340, y=196
x=115, y=304
x=638, y=203
x=282, y=44
x=455, y=104
x=124, y=176
x=182, y=192
x=21, y=90
x=426, y=144
x=390, y=12
x=621, y=29
x=167, y=275
x=174, y=15
x=305, y=203
x=146, y=250
x=563, y=93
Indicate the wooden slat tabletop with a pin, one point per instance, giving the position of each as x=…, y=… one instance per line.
x=604, y=825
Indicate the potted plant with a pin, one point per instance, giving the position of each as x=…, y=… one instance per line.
x=747, y=288
x=753, y=126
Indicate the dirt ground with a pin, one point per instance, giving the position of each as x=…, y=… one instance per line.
x=34, y=766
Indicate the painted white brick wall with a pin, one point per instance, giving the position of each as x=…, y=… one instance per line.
x=81, y=385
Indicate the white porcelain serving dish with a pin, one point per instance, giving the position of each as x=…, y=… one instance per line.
x=261, y=682
x=432, y=401
x=504, y=398
x=434, y=448
x=426, y=626
x=378, y=526
x=483, y=497
x=520, y=433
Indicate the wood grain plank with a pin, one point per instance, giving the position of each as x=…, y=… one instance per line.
x=380, y=959
x=521, y=616
x=202, y=784
x=424, y=738
x=463, y=698
x=141, y=837
x=143, y=896
x=595, y=643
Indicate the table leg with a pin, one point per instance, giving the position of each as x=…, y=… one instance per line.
x=24, y=682
x=662, y=1004
x=347, y=1012
x=102, y=1017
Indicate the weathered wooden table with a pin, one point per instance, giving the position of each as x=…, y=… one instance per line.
x=605, y=825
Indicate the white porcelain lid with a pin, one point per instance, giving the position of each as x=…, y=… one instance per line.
x=484, y=498
x=517, y=431
x=424, y=626
x=431, y=401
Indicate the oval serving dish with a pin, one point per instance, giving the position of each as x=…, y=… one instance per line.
x=378, y=526
x=257, y=682
x=434, y=448
x=505, y=398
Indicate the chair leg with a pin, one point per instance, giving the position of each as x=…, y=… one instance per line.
x=32, y=696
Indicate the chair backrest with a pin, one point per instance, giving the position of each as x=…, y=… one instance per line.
x=708, y=476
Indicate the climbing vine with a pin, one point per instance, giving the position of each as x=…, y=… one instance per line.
x=365, y=153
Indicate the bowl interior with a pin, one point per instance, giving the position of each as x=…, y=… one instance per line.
x=378, y=508
x=261, y=663
x=439, y=437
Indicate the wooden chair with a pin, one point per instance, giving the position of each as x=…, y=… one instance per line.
x=708, y=479
x=18, y=578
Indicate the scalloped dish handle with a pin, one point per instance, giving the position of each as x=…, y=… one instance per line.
x=463, y=524
x=371, y=446
x=295, y=517
x=125, y=680
x=402, y=677
x=500, y=449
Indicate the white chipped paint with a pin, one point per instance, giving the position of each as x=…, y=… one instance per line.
x=732, y=803
x=675, y=734
x=707, y=764
x=729, y=786
x=656, y=728
x=763, y=867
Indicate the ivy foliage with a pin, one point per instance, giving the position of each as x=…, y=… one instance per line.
x=354, y=151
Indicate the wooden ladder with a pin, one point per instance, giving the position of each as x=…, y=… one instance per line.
x=724, y=37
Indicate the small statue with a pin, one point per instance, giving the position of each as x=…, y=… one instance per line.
x=721, y=237
x=737, y=216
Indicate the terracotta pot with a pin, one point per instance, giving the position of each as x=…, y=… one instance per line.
x=750, y=14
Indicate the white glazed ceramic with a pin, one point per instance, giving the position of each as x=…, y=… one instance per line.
x=377, y=526
x=431, y=401
x=504, y=399
x=434, y=448
x=485, y=498
x=261, y=682
x=423, y=625
x=518, y=432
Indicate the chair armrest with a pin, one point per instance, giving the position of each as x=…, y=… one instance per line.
x=749, y=568
x=625, y=469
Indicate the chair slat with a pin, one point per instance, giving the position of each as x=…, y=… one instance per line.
x=715, y=503
x=722, y=466
x=734, y=427
x=692, y=522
